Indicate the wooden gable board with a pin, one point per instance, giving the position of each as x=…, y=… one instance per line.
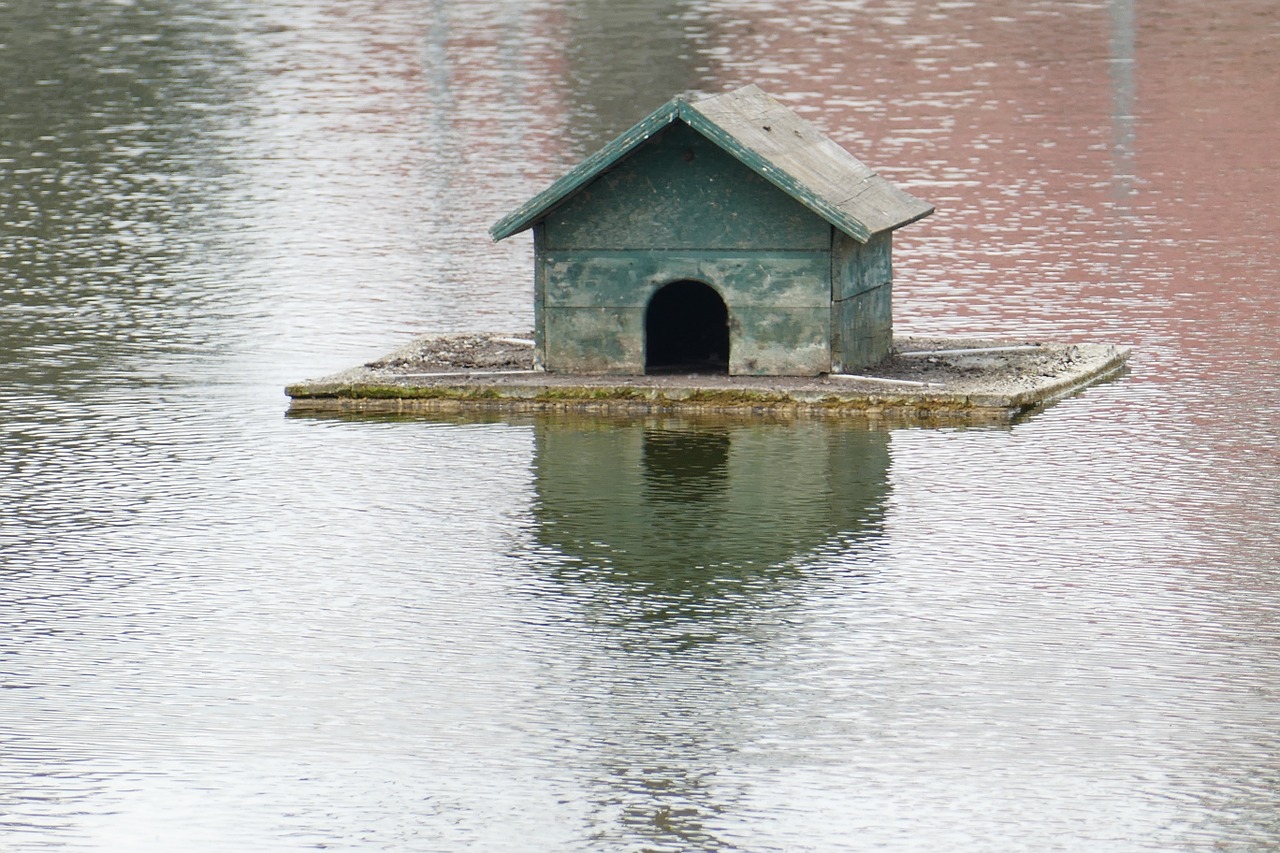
x=769, y=139
x=585, y=172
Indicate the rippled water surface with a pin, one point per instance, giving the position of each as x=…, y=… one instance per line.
x=224, y=629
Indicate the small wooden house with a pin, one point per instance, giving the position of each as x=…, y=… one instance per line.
x=722, y=235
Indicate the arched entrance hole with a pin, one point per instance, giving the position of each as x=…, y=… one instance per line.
x=686, y=330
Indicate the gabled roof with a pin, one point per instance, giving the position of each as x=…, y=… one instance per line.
x=770, y=140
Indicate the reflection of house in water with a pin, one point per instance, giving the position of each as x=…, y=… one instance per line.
x=677, y=506
x=682, y=546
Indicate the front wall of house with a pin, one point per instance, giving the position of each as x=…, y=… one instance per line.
x=680, y=208
x=593, y=308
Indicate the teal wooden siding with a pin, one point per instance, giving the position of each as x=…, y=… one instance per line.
x=774, y=341
x=863, y=328
x=862, y=301
x=779, y=307
x=857, y=267
x=539, y=299
x=743, y=279
x=679, y=190
x=798, y=312
x=593, y=340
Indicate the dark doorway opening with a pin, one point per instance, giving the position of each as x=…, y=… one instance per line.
x=686, y=330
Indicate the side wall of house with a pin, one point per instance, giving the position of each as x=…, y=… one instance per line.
x=861, y=301
x=681, y=208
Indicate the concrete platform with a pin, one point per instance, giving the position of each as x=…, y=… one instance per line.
x=927, y=380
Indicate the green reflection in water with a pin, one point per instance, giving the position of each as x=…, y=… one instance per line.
x=682, y=512
x=686, y=552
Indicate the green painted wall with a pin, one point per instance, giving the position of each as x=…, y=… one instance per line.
x=629, y=279
x=858, y=267
x=593, y=340
x=863, y=330
x=779, y=307
x=862, y=301
x=679, y=190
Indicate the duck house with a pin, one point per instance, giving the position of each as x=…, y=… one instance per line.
x=724, y=235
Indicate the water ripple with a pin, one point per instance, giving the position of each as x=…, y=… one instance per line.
x=226, y=629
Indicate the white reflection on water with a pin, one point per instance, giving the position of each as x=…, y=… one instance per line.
x=227, y=630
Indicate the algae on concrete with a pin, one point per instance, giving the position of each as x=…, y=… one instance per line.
x=926, y=380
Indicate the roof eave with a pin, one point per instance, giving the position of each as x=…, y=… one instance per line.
x=927, y=210
x=536, y=208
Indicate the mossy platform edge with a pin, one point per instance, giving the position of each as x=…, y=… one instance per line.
x=928, y=380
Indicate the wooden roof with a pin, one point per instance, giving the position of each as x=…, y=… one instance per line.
x=769, y=139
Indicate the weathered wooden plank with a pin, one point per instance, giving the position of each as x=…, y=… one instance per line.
x=594, y=340
x=744, y=280
x=766, y=341
x=784, y=148
x=856, y=267
x=864, y=329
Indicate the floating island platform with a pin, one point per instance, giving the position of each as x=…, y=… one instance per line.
x=925, y=380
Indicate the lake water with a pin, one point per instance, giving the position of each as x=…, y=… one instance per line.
x=225, y=629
